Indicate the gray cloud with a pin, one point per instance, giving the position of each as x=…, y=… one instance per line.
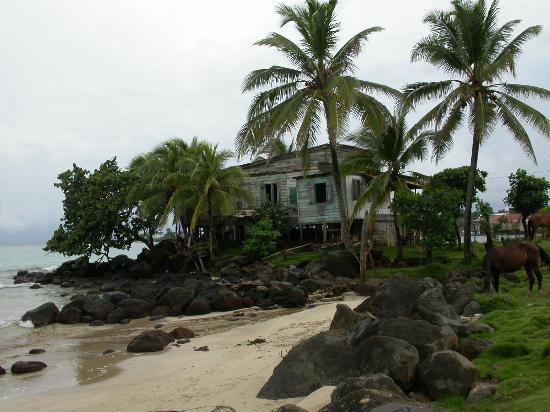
x=85, y=81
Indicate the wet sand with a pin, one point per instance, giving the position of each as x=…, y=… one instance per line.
x=179, y=378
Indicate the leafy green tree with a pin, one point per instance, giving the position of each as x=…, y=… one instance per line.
x=320, y=85
x=97, y=215
x=274, y=147
x=386, y=155
x=527, y=194
x=429, y=213
x=457, y=178
x=467, y=43
x=261, y=238
x=217, y=186
x=485, y=211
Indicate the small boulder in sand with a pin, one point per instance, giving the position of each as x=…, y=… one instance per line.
x=36, y=351
x=42, y=315
x=149, y=341
x=2, y=371
x=182, y=333
x=290, y=408
x=27, y=367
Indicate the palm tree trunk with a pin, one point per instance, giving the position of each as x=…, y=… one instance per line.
x=344, y=228
x=468, y=252
x=210, y=227
x=364, y=246
x=398, y=242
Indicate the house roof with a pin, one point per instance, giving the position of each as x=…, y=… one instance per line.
x=512, y=218
x=295, y=154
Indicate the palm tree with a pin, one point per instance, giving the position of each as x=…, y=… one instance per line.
x=319, y=85
x=163, y=181
x=217, y=186
x=274, y=147
x=467, y=44
x=386, y=154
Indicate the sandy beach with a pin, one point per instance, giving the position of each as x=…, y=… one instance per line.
x=180, y=378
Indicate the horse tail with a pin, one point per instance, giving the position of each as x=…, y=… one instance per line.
x=544, y=255
x=530, y=230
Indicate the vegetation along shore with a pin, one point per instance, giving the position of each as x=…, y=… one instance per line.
x=325, y=274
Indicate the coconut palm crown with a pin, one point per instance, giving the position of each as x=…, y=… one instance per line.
x=319, y=86
x=385, y=156
x=468, y=44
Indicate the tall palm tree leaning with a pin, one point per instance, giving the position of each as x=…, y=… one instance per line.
x=467, y=43
x=319, y=85
x=387, y=153
x=217, y=186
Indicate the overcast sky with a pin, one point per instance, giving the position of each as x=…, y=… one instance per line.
x=83, y=81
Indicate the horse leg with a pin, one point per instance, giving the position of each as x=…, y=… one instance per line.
x=531, y=280
x=539, y=279
x=496, y=278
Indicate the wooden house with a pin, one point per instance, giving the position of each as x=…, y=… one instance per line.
x=310, y=201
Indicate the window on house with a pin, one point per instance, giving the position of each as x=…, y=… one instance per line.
x=270, y=193
x=320, y=192
x=292, y=196
x=355, y=189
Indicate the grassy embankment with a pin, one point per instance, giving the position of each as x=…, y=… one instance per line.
x=520, y=354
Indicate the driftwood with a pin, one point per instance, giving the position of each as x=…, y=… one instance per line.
x=283, y=252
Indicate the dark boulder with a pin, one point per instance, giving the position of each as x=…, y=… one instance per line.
x=2, y=371
x=471, y=348
x=114, y=297
x=448, y=373
x=140, y=270
x=96, y=322
x=36, y=351
x=458, y=295
x=394, y=357
x=481, y=391
x=407, y=406
x=198, y=306
x=182, y=333
x=323, y=359
x=291, y=408
x=364, y=400
x=395, y=298
x=225, y=299
x=135, y=308
x=70, y=315
x=178, y=296
x=150, y=341
x=27, y=367
x=98, y=309
x=472, y=308
x=288, y=296
x=363, y=330
x=431, y=306
x=309, y=285
x=345, y=318
x=161, y=310
x=35, y=286
x=377, y=381
x=42, y=315
x=340, y=263
x=145, y=290
x=116, y=315
x=424, y=336
x=231, y=270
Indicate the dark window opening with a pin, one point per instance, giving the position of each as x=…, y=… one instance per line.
x=271, y=193
x=320, y=192
x=293, y=196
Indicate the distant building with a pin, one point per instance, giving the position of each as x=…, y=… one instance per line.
x=510, y=222
x=310, y=201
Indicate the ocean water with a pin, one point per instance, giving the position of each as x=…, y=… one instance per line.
x=15, y=300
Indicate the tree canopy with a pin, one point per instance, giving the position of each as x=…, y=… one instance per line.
x=98, y=214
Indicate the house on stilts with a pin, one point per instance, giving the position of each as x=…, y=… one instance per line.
x=309, y=201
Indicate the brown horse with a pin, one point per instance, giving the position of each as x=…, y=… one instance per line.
x=508, y=259
x=536, y=220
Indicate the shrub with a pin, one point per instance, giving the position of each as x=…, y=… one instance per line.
x=261, y=238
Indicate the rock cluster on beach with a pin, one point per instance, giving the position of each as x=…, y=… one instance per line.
x=123, y=289
x=400, y=345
